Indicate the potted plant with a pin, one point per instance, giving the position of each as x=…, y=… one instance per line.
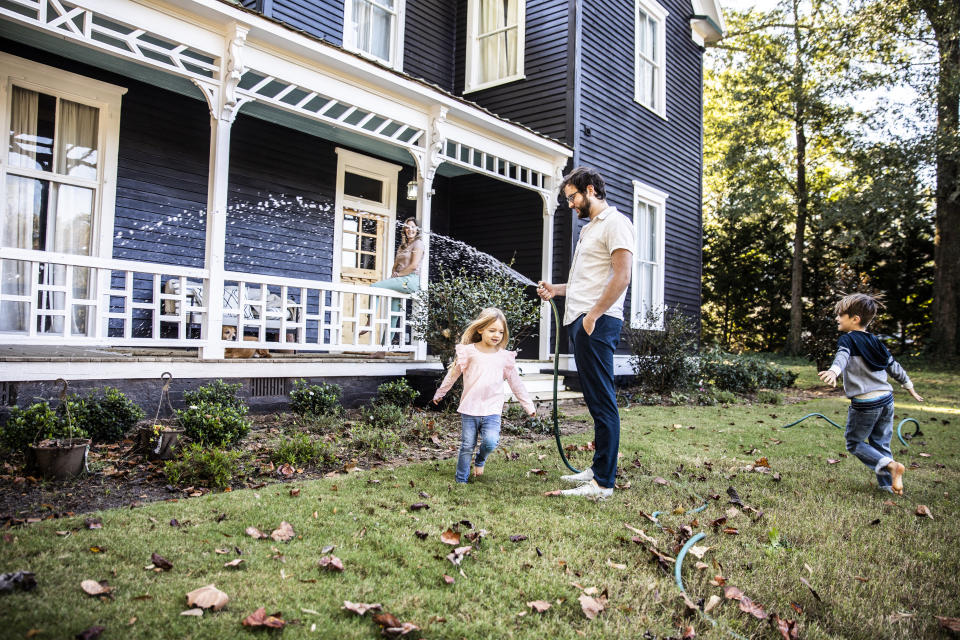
x=158, y=441
x=53, y=445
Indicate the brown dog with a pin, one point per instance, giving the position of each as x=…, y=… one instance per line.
x=230, y=334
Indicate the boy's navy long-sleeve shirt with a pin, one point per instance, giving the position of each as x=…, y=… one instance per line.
x=864, y=362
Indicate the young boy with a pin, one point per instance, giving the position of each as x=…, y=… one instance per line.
x=864, y=362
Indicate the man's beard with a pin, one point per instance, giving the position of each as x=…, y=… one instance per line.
x=584, y=212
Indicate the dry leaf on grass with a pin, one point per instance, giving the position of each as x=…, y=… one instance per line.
x=93, y=523
x=208, y=597
x=402, y=630
x=660, y=481
x=255, y=533
x=360, y=608
x=615, y=565
x=711, y=603
x=94, y=588
x=448, y=579
x=160, y=562
x=539, y=605
x=787, y=628
x=331, y=563
x=283, y=533
x=259, y=618
x=812, y=590
x=456, y=557
x=924, y=510
x=193, y=612
x=592, y=606
x=418, y=506
x=233, y=563
x=749, y=606
x=518, y=538
x=91, y=634
x=730, y=592
x=698, y=551
x=450, y=537
x=951, y=624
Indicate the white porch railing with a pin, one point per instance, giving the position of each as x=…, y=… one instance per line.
x=59, y=299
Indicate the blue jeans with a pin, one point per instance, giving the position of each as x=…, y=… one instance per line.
x=594, y=358
x=868, y=434
x=489, y=429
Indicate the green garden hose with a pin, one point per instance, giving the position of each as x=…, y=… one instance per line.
x=916, y=433
x=556, y=372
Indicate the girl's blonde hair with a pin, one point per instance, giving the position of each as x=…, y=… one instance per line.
x=487, y=317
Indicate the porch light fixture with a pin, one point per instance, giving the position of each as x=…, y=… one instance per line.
x=412, y=190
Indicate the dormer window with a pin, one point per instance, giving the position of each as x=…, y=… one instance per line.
x=374, y=28
x=495, y=43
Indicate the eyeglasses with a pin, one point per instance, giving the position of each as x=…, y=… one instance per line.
x=571, y=197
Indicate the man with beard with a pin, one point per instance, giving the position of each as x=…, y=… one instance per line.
x=595, y=289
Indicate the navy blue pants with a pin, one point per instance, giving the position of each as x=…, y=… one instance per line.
x=594, y=357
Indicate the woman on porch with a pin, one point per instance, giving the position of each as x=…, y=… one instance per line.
x=405, y=275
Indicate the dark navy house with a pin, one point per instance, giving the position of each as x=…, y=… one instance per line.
x=193, y=185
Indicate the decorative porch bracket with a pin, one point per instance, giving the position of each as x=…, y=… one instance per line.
x=224, y=102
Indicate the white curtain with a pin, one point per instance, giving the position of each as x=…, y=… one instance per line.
x=22, y=210
x=498, y=52
x=373, y=25
x=77, y=140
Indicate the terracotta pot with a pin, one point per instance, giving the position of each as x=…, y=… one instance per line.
x=61, y=460
x=162, y=446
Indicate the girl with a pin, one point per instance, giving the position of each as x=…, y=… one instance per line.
x=485, y=364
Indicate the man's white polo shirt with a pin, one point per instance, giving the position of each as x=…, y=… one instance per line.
x=592, y=265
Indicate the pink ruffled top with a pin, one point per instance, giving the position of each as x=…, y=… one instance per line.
x=483, y=376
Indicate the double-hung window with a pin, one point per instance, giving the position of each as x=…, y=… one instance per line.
x=57, y=186
x=649, y=54
x=495, y=42
x=374, y=28
x=646, y=297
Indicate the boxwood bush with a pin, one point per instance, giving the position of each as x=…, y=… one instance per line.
x=105, y=416
x=217, y=392
x=317, y=399
x=398, y=393
x=213, y=424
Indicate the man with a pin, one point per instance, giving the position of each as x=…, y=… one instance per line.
x=595, y=290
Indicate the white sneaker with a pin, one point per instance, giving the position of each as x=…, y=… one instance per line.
x=589, y=490
x=579, y=478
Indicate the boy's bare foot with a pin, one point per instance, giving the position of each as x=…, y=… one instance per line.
x=478, y=471
x=896, y=470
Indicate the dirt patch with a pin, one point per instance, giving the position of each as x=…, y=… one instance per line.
x=120, y=477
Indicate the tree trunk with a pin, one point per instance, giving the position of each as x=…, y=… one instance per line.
x=945, y=19
x=794, y=346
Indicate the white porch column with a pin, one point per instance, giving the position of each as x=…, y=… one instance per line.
x=427, y=163
x=224, y=104
x=546, y=274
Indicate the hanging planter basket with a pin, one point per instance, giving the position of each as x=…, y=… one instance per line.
x=159, y=441
x=59, y=459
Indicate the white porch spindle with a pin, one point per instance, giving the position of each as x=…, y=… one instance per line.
x=546, y=274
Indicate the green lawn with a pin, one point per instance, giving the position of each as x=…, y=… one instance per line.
x=880, y=570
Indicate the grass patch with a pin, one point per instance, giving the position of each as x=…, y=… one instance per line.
x=883, y=580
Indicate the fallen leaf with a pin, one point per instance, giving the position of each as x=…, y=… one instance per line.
x=160, y=562
x=615, y=565
x=730, y=592
x=93, y=523
x=255, y=533
x=448, y=579
x=456, y=557
x=539, y=605
x=899, y=615
x=812, y=590
x=731, y=531
x=924, y=455
x=861, y=579
x=537, y=472
x=386, y=620
x=660, y=481
x=698, y=551
x=787, y=628
x=295, y=493
x=689, y=632
x=832, y=461
x=518, y=538
x=951, y=624
x=421, y=534
x=749, y=606
x=331, y=563
x=283, y=533
x=924, y=510
x=233, y=563
x=207, y=597
x=360, y=608
x=450, y=537
x=90, y=634
x=591, y=606
x=762, y=462
x=711, y=603
x=286, y=470
x=418, y=506
x=192, y=612
x=402, y=630
x=94, y=588
x=259, y=618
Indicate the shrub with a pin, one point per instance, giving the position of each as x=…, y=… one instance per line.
x=197, y=465
x=366, y=437
x=383, y=416
x=321, y=425
x=725, y=397
x=767, y=396
x=217, y=392
x=452, y=301
x=36, y=423
x=742, y=374
x=315, y=400
x=300, y=449
x=398, y=393
x=105, y=417
x=213, y=424
x=661, y=358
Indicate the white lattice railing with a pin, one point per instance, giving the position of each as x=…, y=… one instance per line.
x=51, y=298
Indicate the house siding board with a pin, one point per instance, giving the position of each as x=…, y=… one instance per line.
x=539, y=101
x=429, y=41
x=629, y=142
x=320, y=18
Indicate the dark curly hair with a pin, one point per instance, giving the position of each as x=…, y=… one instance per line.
x=583, y=176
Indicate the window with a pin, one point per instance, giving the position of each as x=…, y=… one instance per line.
x=649, y=207
x=366, y=206
x=649, y=63
x=495, y=41
x=375, y=28
x=57, y=187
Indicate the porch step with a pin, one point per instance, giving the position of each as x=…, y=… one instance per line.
x=547, y=396
x=540, y=387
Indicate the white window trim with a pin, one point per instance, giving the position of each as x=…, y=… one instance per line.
x=396, y=49
x=71, y=86
x=658, y=13
x=364, y=165
x=473, y=43
x=658, y=199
